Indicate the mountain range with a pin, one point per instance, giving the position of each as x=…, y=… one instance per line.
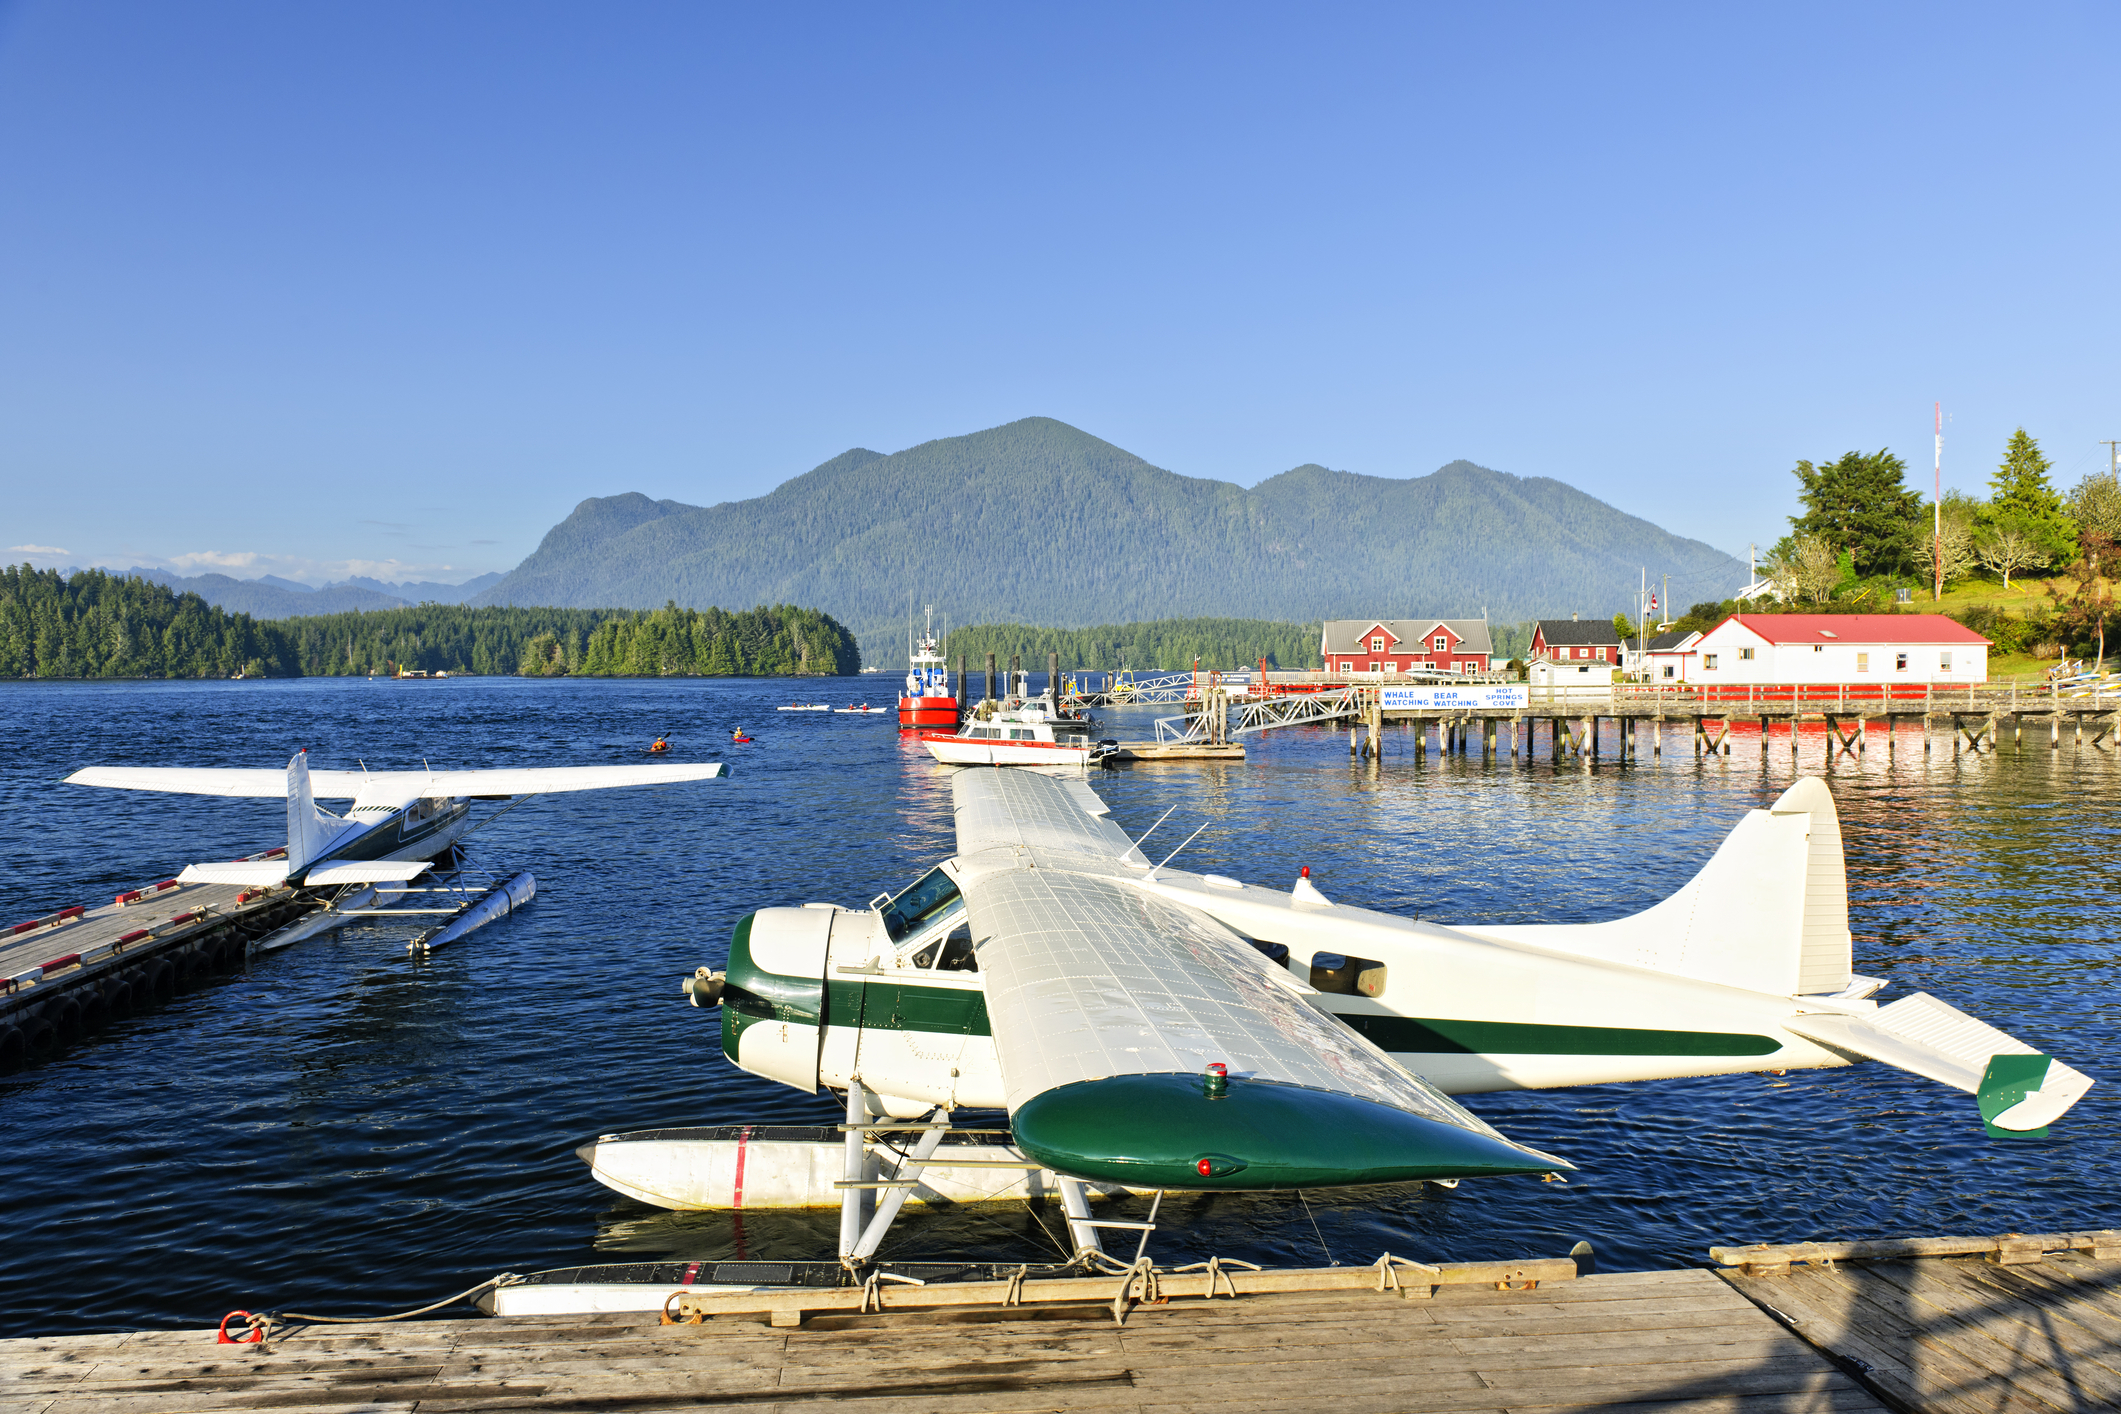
x=271, y=597
x=1039, y=522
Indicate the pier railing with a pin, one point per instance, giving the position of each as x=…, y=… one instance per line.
x=2086, y=691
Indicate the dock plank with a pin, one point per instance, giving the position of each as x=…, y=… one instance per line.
x=1673, y=1343
x=1938, y=1341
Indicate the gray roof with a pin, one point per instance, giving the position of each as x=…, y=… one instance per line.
x=1665, y=642
x=1410, y=635
x=1573, y=631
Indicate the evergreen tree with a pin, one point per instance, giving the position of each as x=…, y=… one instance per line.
x=1858, y=504
x=2022, y=504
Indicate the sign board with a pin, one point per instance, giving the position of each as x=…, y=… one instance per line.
x=1473, y=697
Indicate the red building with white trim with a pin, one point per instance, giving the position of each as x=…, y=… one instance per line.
x=1406, y=645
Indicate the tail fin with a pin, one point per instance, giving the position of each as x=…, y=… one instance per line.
x=309, y=830
x=1768, y=912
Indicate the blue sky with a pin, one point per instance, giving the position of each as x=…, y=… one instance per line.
x=388, y=288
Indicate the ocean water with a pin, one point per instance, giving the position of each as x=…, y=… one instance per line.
x=340, y=1129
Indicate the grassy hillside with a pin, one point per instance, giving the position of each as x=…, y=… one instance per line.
x=1038, y=522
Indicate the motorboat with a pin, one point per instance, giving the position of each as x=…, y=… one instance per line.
x=805, y=707
x=1030, y=734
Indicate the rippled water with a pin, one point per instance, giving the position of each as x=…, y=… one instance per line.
x=341, y=1129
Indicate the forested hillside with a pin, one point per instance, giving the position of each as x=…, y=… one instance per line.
x=94, y=625
x=1168, y=644
x=772, y=642
x=1041, y=523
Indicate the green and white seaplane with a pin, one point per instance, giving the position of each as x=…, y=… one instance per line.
x=1148, y=1029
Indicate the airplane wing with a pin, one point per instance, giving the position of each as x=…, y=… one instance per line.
x=269, y=783
x=398, y=786
x=1108, y=1004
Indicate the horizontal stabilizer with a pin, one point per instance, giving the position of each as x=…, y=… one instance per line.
x=265, y=871
x=379, y=871
x=1930, y=1038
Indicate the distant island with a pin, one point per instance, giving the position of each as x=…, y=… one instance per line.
x=94, y=625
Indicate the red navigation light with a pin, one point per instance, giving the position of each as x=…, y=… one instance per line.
x=1207, y=1169
x=1306, y=872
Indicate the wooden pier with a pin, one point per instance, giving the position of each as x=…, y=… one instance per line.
x=1991, y=1324
x=1972, y=719
x=73, y=969
x=1179, y=751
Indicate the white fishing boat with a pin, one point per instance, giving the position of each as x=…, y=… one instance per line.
x=1029, y=735
x=805, y=707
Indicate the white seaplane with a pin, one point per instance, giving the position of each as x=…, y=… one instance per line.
x=1150, y=1029
x=400, y=821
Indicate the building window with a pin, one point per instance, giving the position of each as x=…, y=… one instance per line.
x=1819, y=648
x=1377, y=645
x=1863, y=662
x=1668, y=670
x=1391, y=666
x=1347, y=667
x=1708, y=662
x=1745, y=655
x=1944, y=662
x=1465, y=665
x=1900, y=662
x=1442, y=643
x=1601, y=655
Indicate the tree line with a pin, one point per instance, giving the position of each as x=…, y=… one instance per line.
x=1165, y=645
x=93, y=625
x=1864, y=533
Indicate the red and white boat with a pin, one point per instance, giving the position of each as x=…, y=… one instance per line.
x=1030, y=734
x=928, y=700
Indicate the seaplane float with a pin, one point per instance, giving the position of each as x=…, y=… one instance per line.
x=400, y=826
x=1144, y=1029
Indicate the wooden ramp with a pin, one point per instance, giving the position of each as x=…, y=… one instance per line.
x=1997, y=1333
x=1654, y=1342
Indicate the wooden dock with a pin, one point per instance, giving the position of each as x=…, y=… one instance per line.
x=1986, y=1325
x=1179, y=751
x=75, y=968
x=1656, y=1341
x=2000, y=1325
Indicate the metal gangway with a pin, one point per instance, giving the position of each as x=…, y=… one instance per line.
x=1257, y=714
x=1169, y=687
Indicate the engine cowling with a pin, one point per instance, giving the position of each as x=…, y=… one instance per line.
x=773, y=995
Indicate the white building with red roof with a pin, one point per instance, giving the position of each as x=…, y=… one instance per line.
x=1831, y=648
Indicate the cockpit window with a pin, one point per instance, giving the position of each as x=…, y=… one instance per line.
x=951, y=953
x=931, y=896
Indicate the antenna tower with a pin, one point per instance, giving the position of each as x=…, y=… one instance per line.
x=1937, y=514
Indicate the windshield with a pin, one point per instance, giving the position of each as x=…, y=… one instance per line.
x=931, y=895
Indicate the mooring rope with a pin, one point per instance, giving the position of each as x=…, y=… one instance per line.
x=259, y=1327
